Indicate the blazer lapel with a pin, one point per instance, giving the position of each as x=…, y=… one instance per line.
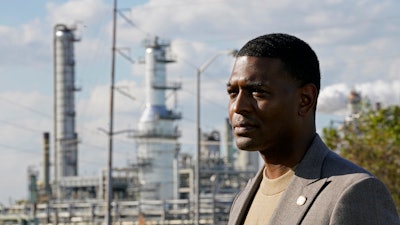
x=294, y=204
x=244, y=200
x=304, y=187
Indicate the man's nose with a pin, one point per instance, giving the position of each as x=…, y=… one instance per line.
x=242, y=103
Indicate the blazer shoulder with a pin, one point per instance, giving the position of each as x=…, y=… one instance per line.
x=335, y=165
x=365, y=201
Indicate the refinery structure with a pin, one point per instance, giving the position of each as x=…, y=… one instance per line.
x=159, y=188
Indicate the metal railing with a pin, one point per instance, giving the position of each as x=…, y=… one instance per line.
x=213, y=210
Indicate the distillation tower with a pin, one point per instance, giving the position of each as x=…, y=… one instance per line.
x=158, y=133
x=159, y=187
x=65, y=136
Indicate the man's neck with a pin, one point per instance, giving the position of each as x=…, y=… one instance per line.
x=279, y=161
x=274, y=171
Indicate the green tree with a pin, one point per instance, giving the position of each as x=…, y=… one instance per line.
x=371, y=140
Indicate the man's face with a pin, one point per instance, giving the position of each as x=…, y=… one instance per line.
x=263, y=104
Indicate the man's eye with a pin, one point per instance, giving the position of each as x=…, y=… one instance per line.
x=259, y=93
x=232, y=93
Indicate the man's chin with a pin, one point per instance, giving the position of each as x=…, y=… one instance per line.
x=246, y=144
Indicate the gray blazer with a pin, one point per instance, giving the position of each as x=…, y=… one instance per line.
x=326, y=189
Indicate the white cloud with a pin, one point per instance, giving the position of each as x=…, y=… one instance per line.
x=24, y=117
x=386, y=93
x=334, y=98
x=87, y=12
x=23, y=45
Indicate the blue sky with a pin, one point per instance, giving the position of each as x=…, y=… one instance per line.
x=17, y=13
x=357, y=44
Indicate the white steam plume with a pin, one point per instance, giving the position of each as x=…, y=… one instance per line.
x=333, y=99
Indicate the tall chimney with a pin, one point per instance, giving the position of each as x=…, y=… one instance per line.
x=46, y=162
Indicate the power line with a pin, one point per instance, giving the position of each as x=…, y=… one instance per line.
x=25, y=107
x=25, y=150
x=21, y=127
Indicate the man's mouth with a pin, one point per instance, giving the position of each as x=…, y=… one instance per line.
x=243, y=128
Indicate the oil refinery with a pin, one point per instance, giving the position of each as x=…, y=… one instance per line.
x=159, y=188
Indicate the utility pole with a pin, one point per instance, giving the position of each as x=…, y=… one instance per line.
x=109, y=195
x=197, y=172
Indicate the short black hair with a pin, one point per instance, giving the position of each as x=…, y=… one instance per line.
x=297, y=56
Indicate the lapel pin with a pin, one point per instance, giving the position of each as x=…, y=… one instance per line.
x=301, y=200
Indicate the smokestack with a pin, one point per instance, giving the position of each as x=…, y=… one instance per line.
x=32, y=188
x=46, y=162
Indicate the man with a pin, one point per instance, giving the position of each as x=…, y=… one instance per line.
x=273, y=91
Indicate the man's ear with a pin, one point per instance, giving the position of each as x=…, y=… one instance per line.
x=308, y=99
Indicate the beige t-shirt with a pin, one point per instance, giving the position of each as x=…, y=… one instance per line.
x=266, y=199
